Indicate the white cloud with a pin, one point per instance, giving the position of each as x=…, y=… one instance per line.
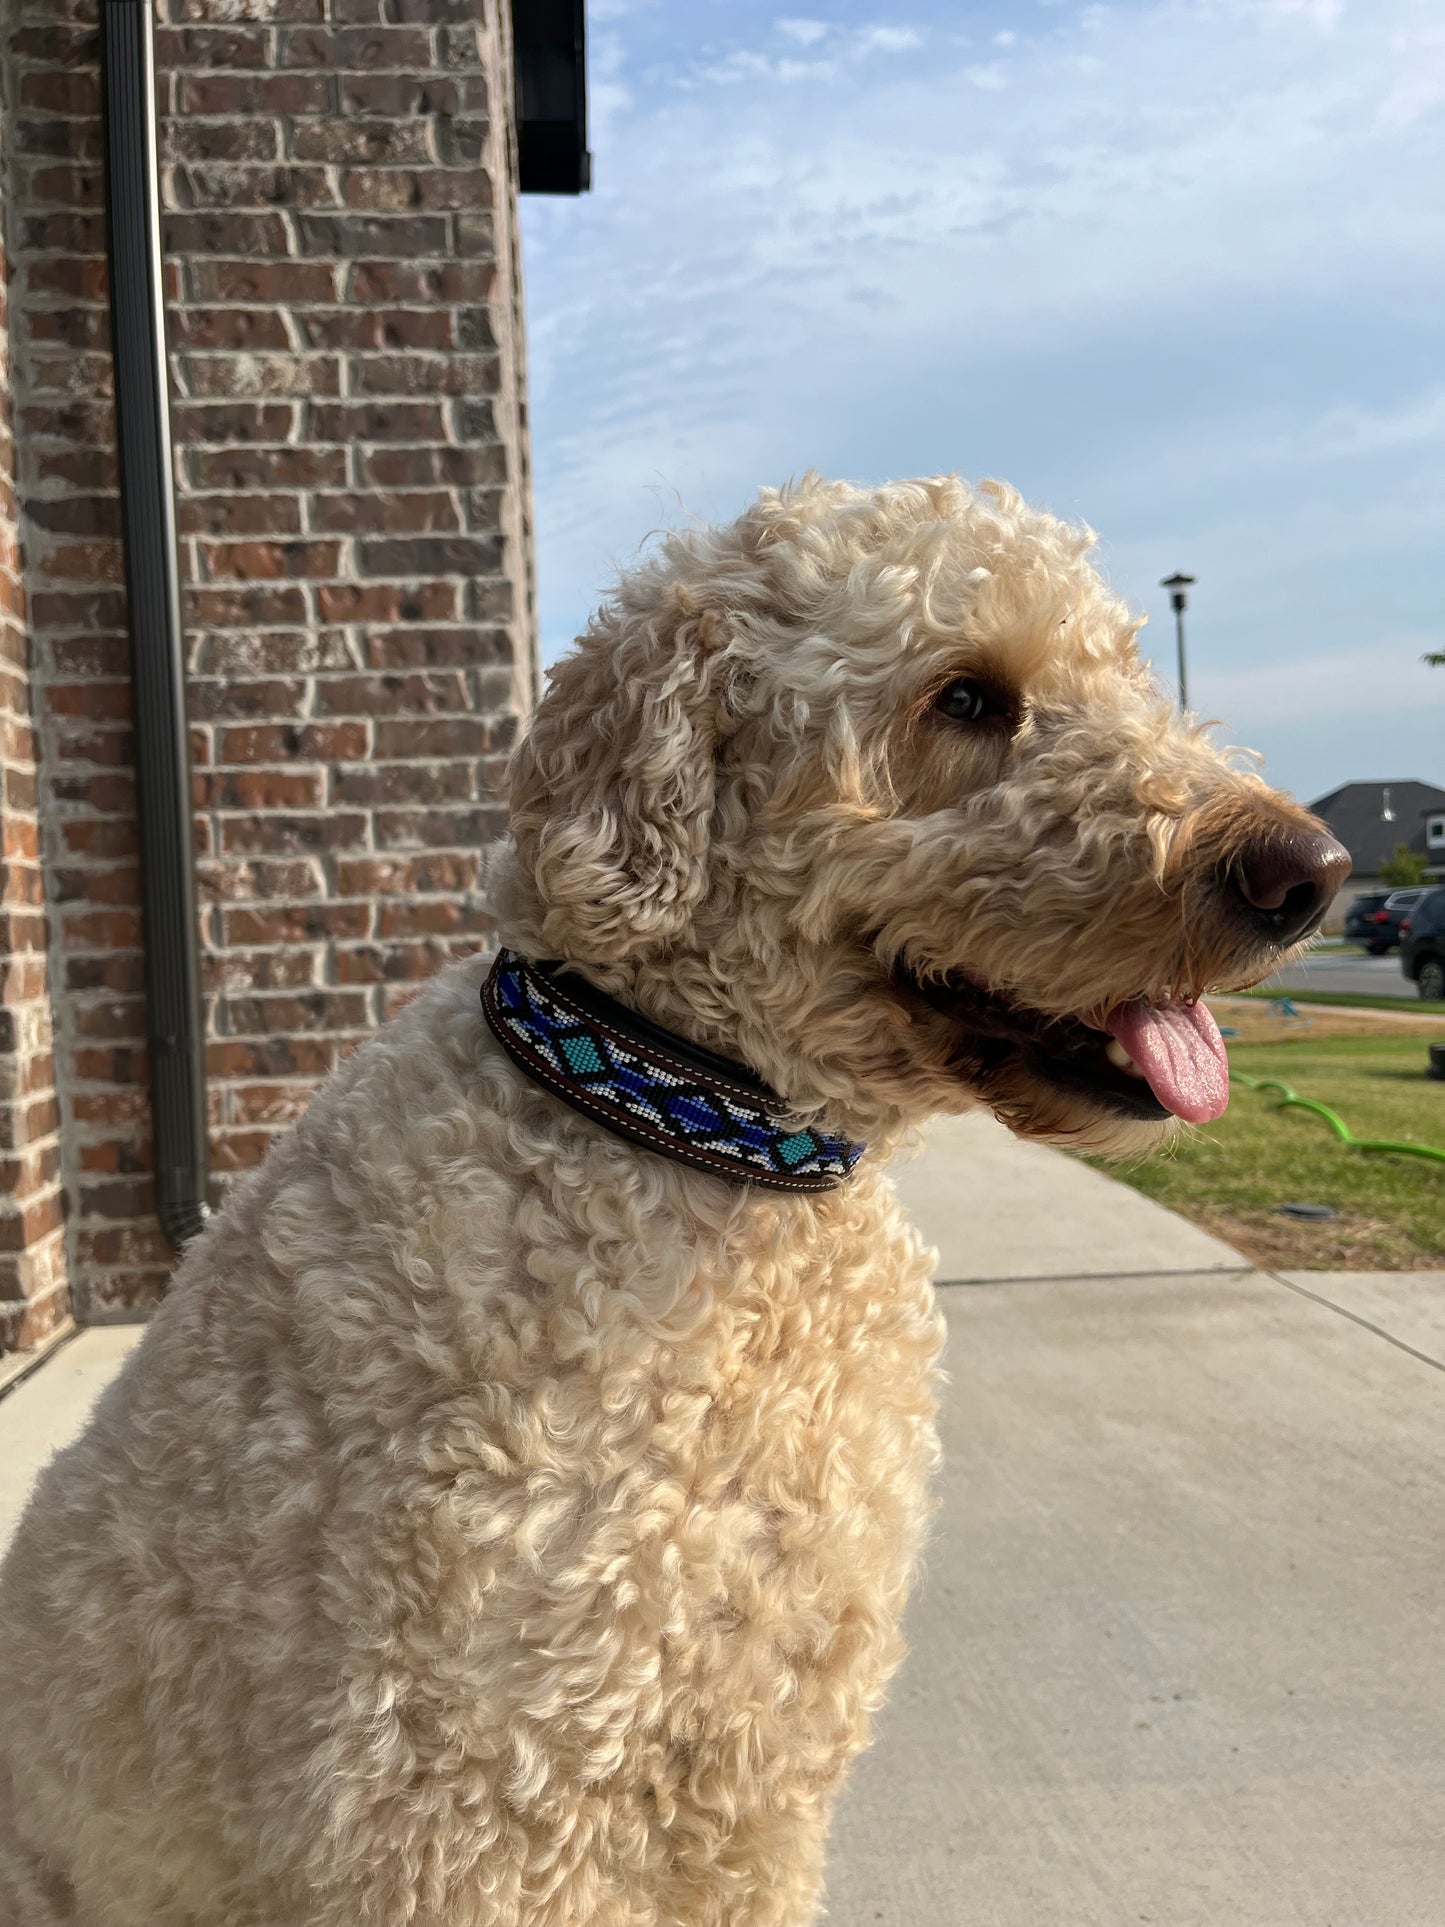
x=740, y=65
x=807, y=33
x=1320, y=13
x=887, y=40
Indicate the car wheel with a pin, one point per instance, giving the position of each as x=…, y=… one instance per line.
x=1377, y=949
x=1431, y=979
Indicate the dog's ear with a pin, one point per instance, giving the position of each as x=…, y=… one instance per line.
x=612, y=785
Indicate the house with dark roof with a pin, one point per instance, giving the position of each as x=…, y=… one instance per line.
x=1371, y=819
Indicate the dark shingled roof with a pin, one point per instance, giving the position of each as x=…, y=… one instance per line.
x=1353, y=814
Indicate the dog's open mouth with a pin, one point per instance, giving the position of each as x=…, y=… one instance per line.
x=1146, y=1059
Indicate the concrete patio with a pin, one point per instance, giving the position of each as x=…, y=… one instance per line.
x=1176, y=1659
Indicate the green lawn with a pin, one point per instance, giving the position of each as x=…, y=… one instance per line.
x=1351, y=1000
x=1228, y=1176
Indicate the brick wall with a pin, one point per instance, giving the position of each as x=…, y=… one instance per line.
x=34, y=1297
x=346, y=356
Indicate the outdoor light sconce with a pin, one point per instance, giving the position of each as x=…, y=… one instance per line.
x=549, y=44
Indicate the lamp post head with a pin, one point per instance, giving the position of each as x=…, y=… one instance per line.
x=1177, y=585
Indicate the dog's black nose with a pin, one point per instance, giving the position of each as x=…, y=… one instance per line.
x=1285, y=881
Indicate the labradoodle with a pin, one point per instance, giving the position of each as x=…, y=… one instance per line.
x=506, y=1520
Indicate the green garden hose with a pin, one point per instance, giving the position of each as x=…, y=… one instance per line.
x=1291, y=1099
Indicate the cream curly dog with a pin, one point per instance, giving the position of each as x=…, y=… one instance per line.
x=505, y=1521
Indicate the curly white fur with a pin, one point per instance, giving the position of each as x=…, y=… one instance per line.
x=500, y=1526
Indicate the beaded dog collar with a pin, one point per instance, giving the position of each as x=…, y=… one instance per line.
x=657, y=1090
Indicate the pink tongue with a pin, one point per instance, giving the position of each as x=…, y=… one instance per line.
x=1179, y=1049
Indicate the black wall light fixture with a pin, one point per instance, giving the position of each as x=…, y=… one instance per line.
x=549, y=42
x=148, y=516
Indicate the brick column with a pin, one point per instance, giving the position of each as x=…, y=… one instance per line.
x=34, y=1296
x=353, y=500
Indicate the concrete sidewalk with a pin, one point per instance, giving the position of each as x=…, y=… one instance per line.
x=47, y=1411
x=1176, y=1658
x=997, y=1208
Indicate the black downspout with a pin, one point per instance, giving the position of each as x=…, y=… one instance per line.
x=148, y=527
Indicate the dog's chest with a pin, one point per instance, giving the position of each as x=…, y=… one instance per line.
x=700, y=1493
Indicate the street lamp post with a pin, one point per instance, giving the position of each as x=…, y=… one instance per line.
x=1178, y=585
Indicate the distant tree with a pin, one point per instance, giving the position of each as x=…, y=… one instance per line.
x=1436, y=658
x=1403, y=868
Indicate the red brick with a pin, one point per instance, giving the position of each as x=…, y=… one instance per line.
x=392, y=962
x=250, y=329
x=378, y=421
x=448, y=917
x=319, y=742
x=102, y=929
x=294, y=923
x=238, y=971
x=376, y=511
x=224, y=232
x=375, y=602
x=226, y=95
x=392, y=695
x=285, y=282
x=404, y=876
x=117, y=883
x=438, y=828
x=236, y=421
x=266, y=468
x=464, y=555
x=259, y=789
x=454, y=736
x=236, y=701
x=417, y=467
x=262, y=879
x=402, y=96
x=99, y=837
x=271, y=1057
x=372, y=283
x=201, y=140
x=243, y=608
x=240, y=1150
x=240, y=515
x=367, y=49
x=269, y=1103
x=291, y=1015
x=375, y=144
x=381, y=783
x=261, y=561
x=283, y=835
x=221, y=375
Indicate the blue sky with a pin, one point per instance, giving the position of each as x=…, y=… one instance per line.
x=1175, y=268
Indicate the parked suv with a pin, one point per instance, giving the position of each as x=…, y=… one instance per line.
x=1422, y=944
x=1374, y=918
x=1365, y=914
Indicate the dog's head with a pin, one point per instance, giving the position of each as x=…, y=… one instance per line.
x=872, y=791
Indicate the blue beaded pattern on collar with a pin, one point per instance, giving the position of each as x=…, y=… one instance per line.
x=655, y=1090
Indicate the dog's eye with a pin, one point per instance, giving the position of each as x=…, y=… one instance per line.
x=970, y=701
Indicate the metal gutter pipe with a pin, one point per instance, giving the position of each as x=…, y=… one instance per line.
x=148, y=531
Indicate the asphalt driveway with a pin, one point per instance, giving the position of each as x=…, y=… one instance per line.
x=1348, y=972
